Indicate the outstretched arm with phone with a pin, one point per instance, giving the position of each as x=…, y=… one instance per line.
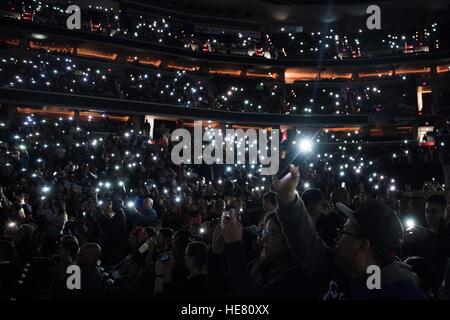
x=306, y=245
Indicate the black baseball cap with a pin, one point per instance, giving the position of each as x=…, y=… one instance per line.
x=379, y=224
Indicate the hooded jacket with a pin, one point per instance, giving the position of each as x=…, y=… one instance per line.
x=398, y=282
x=257, y=281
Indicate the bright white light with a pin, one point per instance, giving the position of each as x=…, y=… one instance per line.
x=107, y=184
x=410, y=223
x=45, y=189
x=306, y=185
x=177, y=199
x=130, y=204
x=392, y=188
x=306, y=145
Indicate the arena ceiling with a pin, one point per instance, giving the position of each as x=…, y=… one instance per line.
x=305, y=12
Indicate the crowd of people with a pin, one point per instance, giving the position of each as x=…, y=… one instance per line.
x=109, y=199
x=67, y=74
x=283, y=44
x=102, y=194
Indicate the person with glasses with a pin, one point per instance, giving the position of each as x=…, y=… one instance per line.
x=371, y=236
x=275, y=274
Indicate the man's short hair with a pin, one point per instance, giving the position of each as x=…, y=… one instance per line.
x=340, y=195
x=271, y=197
x=438, y=199
x=182, y=233
x=312, y=196
x=198, y=251
x=70, y=244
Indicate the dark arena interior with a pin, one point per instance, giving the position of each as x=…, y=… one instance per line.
x=219, y=150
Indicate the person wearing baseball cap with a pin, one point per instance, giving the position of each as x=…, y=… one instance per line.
x=375, y=223
x=370, y=237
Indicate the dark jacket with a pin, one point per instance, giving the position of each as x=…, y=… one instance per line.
x=436, y=247
x=290, y=281
x=193, y=288
x=397, y=281
x=113, y=237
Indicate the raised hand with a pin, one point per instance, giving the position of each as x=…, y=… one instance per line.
x=232, y=228
x=286, y=186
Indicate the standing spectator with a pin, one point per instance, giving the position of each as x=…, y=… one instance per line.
x=148, y=212
x=371, y=236
x=53, y=212
x=112, y=234
x=433, y=243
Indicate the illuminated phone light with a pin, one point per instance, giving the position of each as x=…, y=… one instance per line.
x=410, y=223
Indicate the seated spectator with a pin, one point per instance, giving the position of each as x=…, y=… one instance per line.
x=68, y=251
x=328, y=223
x=314, y=201
x=93, y=280
x=275, y=275
x=164, y=240
x=196, y=285
x=27, y=243
x=148, y=212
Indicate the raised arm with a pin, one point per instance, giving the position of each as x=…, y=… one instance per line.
x=302, y=238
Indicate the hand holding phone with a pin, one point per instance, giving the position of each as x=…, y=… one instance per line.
x=287, y=185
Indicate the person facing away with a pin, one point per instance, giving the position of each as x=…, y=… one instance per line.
x=93, y=284
x=328, y=224
x=148, y=212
